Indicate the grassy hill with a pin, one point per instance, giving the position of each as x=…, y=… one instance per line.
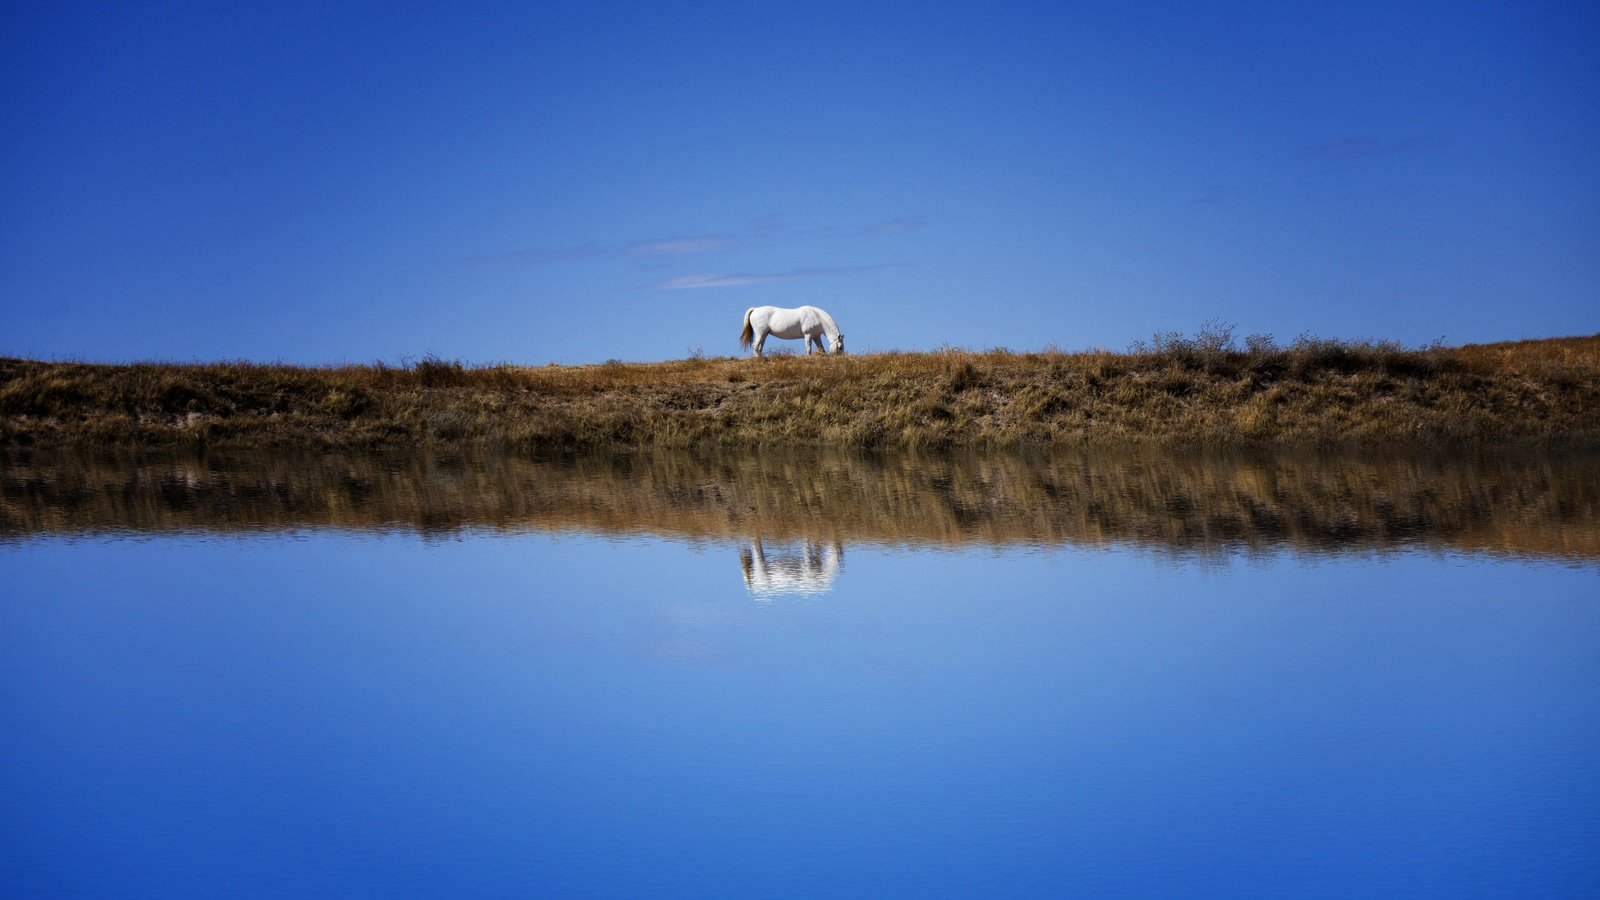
x=1171, y=390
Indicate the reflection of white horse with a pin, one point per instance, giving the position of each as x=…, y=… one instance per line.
x=807, y=322
x=808, y=569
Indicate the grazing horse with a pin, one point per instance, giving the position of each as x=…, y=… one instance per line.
x=807, y=322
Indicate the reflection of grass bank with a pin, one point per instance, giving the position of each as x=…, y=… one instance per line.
x=1539, y=504
x=1173, y=391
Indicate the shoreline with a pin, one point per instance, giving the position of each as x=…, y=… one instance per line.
x=1178, y=393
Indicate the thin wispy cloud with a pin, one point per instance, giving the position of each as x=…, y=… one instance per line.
x=895, y=226
x=769, y=229
x=742, y=279
x=716, y=280
x=691, y=245
x=872, y=229
x=683, y=246
x=1356, y=147
x=537, y=256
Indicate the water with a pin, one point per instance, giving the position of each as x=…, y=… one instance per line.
x=788, y=676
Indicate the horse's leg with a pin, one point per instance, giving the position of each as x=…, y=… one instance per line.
x=761, y=341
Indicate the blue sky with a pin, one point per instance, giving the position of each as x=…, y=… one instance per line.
x=577, y=182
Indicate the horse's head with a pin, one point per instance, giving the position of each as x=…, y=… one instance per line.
x=838, y=344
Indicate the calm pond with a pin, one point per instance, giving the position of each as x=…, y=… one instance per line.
x=799, y=674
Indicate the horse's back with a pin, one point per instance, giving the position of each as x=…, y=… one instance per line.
x=784, y=323
x=788, y=323
x=810, y=318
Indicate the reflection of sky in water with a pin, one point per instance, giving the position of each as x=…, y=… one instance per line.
x=574, y=715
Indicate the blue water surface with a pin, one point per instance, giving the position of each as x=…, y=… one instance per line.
x=341, y=714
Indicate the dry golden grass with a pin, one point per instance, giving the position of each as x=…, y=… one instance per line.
x=1173, y=391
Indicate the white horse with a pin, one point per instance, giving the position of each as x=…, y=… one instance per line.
x=807, y=322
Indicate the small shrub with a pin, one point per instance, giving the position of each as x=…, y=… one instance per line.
x=1208, y=351
x=1214, y=336
x=1260, y=344
x=431, y=371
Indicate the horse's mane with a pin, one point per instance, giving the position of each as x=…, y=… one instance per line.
x=828, y=324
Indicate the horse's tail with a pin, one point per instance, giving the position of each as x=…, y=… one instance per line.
x=748, y=335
